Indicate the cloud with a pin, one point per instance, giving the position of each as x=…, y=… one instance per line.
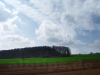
x=78, y=13
x=4, y=12
x=8, y=26
x=10, y=34
x=15, y=41
x=95, y=45
x=27, y=10
x=61, y=21
x=54, y=33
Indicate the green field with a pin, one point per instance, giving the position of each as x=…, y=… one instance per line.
x=50, y=60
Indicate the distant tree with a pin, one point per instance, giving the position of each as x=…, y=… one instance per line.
x=38, y=51
x=68, y=51
x=97, y=53
x=91, y=52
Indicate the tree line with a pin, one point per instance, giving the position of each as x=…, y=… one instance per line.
x=38, y=51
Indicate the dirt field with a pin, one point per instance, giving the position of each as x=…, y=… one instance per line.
x=68, y=68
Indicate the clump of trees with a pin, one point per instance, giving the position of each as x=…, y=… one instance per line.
x=94, y=53
x=38, y=51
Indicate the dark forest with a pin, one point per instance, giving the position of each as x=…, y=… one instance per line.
x=33, y=52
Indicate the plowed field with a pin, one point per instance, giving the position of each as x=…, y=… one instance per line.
x=68, y=68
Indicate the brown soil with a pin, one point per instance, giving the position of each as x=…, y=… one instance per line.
x=68, y=68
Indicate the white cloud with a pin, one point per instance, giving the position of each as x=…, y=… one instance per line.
x=59, y=19
x=78, y=13
x=4, y=12
x=42, y=5
x=9, y=32
x=95, y=45
x=8, y=26
x=10, y=37
x=55, y=33
x=27, y=10
x=14, y=41
x=15, y=12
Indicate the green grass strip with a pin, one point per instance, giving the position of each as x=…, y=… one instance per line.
x=73, y=58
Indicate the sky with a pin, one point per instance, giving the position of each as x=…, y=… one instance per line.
x=71, y=23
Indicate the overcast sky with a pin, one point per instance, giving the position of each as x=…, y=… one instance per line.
x=70, y=23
